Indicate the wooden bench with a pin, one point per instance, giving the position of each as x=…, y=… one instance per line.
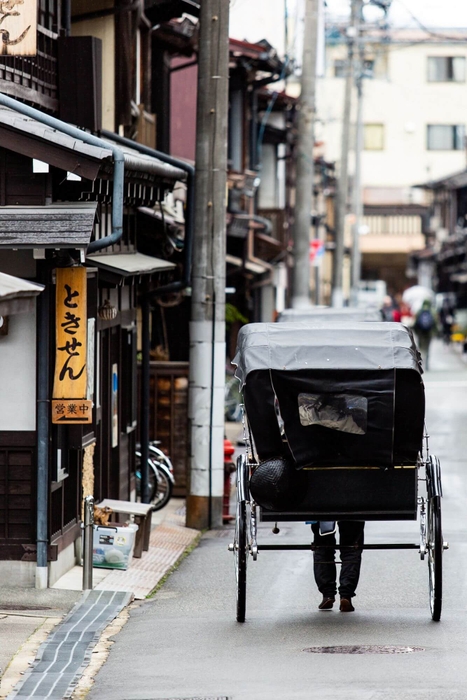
x=142, y=513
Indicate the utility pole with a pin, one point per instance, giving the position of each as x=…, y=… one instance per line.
x=305, y=169
x=356, y=267
x=357, y=188
x=342, y=187
x=207, y=327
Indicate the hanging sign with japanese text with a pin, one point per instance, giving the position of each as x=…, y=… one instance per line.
x=18, y=27
x=70, y=404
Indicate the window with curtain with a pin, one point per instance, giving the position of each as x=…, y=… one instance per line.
x=445, y=137
x=373, y=137
x=446, y=69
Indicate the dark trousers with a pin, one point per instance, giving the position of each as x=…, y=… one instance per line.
x=324, y=566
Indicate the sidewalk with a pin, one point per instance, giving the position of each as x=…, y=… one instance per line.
x=31, y=620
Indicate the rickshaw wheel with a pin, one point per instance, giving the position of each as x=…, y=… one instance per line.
x=435, y=556
x=240, y=551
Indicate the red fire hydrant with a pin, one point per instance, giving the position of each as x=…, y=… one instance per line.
x=229, y=468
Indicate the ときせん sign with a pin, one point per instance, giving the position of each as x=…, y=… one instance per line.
x=69, y=404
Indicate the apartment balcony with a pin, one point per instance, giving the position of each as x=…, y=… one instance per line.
x=396, y=230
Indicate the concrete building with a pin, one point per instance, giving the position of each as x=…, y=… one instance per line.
x=414, y=117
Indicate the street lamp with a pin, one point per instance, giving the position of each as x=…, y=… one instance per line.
x=375, y=10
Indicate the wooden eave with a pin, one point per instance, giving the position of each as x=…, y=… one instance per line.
x=56, y=155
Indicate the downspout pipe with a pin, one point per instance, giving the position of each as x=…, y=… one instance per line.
x=43, y=430
x=190, y=207
x=74, y=132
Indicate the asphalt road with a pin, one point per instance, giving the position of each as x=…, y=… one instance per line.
x=186, y=644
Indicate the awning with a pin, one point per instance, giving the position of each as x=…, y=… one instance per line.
x=36, y=140
x=67, y=225
x=127, y=264
x=158, y=11
x=31, y=138
x=141, y=163
x=17, y=295
x=450, y=182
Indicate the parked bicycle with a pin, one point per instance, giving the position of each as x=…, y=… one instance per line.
x=161, y=478
x=232, y=399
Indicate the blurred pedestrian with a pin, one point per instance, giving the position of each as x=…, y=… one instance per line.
x=425, y=327
x=387, y=309
x=447, y=319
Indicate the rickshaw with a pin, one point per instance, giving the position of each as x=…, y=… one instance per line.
x=334, y=423
x=325, y=314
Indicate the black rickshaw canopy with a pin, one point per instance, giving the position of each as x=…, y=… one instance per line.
x=347, y=394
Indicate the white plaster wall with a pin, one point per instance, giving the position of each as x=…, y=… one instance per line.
x=17, y=573
x=18, y=374
x=403, y=97
x=66, y=560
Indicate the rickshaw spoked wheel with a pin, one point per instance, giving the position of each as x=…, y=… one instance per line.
x=435, y=556
x=240, y=553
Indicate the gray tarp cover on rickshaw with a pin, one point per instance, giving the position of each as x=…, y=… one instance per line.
x=327, y=314
x=347, y=346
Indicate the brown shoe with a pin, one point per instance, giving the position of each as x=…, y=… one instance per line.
x=326, y=603
x=346, y=605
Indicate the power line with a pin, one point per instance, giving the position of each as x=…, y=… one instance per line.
x=426, y=29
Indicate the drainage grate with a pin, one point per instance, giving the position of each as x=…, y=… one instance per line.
x=67, y=650
x=365, y=649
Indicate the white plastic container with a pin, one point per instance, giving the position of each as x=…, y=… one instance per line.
x=113, y=546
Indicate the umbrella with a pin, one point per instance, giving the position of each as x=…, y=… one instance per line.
x=416, y=295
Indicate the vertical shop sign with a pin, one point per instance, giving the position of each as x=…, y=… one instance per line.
x=70, y=403
x=18, y=27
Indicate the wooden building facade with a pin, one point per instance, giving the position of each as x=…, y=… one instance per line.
x=58, y=211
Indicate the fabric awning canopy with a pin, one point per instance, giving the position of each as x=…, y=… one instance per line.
x=67, y=225
x=17, y=295
x=127, y=264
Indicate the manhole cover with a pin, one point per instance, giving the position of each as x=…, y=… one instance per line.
x=365, y=649
x=12, y=606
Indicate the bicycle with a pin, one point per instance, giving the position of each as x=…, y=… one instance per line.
x=161, y=478
x=232, y=400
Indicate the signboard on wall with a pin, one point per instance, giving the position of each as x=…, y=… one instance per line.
x=70, y=402
x=18, y=27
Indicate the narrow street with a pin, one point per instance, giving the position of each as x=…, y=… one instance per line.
x=185, y=642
